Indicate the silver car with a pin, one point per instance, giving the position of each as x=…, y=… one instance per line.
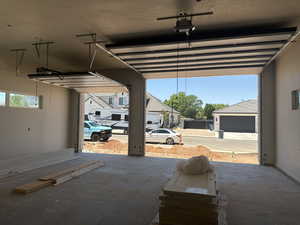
x=163, y=135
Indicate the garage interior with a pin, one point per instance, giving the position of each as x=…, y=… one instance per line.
x=54, y=52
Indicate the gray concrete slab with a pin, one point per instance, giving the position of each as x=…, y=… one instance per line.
x=125, y=192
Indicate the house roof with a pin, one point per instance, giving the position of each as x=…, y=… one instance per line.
x=249, y=106
x=156, y=105
x=98, y=101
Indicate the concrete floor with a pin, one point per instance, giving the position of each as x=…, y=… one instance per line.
x=125, y=192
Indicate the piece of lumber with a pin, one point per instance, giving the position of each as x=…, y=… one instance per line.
x=62, y=173
x=58, y=177
x=76, y=173
x=31, y=187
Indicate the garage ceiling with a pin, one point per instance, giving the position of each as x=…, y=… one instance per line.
x=117, y=21
x=204, y=54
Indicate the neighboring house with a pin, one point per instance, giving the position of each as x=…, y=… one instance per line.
x=115, y=100
x=156, y=105
x=241, y=117
x=94, y=102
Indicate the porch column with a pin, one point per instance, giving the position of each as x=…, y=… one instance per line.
x=137, y=105
x=267, y=128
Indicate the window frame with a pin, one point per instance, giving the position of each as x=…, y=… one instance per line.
x=5, y=98
x=40, y=100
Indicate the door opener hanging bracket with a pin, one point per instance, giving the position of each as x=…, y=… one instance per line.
x=37, y=47
x=20, y=52
x=91, y=45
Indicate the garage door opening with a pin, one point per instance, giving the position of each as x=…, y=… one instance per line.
x=106, y=122
x=219, y=118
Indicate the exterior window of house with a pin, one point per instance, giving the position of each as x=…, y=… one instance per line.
x=2, y=98
x=110, y=100
x=126, y=100
x=126, y=117
x=115, y=116
x=97, y=113
x=91, y=102
x=121, y=100
x=24, y=101
x=216, y=119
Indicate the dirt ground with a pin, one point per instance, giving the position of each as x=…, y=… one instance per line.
x=176, y=151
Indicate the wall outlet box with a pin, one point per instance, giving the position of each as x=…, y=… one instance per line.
x=296, y=99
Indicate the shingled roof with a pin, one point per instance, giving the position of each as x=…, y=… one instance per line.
x=249, y=106
x=156, y=105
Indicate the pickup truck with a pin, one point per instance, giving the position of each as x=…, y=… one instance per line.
x=96, y=132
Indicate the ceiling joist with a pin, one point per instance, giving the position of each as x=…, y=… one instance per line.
x=247, y=51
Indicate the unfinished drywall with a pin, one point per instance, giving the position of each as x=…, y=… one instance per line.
x=288, y=120
x=26, y=131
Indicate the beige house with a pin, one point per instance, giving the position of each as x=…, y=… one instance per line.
x=241, y=117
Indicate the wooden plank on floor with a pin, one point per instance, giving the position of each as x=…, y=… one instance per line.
x=76, y=173
x=58, y=177
x=31, y=187
x=69, y=171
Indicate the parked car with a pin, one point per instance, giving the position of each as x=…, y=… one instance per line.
x=96, y=132
x=164, y=135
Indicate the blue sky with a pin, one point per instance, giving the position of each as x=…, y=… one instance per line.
x=217, y=89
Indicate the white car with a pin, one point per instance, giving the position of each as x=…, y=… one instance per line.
x=163, y=135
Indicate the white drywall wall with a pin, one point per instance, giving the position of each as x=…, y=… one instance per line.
x=288, y=120
x=26, y=131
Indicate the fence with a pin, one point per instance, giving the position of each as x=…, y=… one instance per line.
x=198, y=124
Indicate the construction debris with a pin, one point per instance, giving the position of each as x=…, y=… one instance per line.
x=31, y=187
x=189, y=199
x=58, y=177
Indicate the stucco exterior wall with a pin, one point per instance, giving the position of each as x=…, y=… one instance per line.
x=267, y=113
x=27, y=131
x=288, y=120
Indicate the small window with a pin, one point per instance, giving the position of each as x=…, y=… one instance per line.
x=115, y=116
x=2, y=98
x=110, y=100
x=25, y=101
x=91, y=102
x=98, y=113
x=126, y=117
x=121, y=100
x=149, y=122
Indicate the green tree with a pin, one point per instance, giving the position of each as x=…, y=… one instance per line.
x=187, y=105
x=209, y=108
x=17, y=100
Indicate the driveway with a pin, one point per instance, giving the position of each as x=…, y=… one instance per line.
x=214, y=144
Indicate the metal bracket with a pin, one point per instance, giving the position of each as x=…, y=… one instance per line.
x=38, y=45
x=92, y=45
x=19, y=60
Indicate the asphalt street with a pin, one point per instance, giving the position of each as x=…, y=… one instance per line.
x=214, y=144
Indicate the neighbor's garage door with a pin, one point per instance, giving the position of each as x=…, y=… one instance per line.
x=245, y=124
